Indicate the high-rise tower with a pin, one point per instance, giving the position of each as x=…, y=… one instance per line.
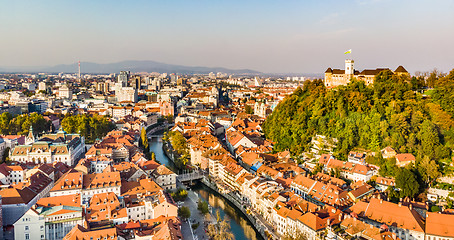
x=78, y=75
x=123, y=78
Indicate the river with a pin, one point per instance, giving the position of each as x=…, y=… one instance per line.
x=240, y=226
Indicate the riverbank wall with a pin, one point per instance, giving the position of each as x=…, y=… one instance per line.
x=169, y=152
x=259, y=227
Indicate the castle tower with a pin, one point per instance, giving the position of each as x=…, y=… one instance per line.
x=349, y=67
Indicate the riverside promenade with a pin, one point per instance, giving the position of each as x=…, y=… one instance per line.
x=264, y=228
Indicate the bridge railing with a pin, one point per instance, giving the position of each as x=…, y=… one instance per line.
x=190, y=176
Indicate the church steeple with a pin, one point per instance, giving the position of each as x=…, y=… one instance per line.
x=30, y=137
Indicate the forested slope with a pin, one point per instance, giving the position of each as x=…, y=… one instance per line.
x=389, y=113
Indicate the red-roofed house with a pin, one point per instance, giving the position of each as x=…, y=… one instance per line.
x=403, y=220
x=404, y=159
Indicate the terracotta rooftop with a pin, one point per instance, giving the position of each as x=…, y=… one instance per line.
x=81, y=233
x=390, y=214
x=67, y=200
x=438, y=224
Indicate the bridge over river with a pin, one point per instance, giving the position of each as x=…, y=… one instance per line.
x=190, y=176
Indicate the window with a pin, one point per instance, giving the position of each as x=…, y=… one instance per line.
x=27, y=236
x=26, y=228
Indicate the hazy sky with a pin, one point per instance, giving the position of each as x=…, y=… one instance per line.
x=268, y=36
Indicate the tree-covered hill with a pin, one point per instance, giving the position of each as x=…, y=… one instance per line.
x=387, y=113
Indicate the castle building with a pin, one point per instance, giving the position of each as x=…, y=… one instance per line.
x=337, y=77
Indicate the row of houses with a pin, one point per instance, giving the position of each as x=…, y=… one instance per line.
x=114, y=192
x=294, y=202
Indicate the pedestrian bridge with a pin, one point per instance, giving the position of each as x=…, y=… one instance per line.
x=190, y=176
x=154, y=136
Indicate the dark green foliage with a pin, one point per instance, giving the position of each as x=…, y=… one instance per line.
x=248, y=109
x=179, y=144
x=435, y=208
x=169, y=118
x=195, y=226
x=448, y=203
x=393, y=195
x=387, y=113
x=91, y=127
x=21, y=123
x=445, y=186
x=444, y=92
x=184, y=212
x=407, y=183
x=428, y=169
x=179, y=195
x=202, y=206
x=388, y=167
x=28, y=93
x=5, y=157
x=318, y=168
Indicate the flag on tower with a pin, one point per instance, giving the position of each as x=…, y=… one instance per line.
x=349, y=51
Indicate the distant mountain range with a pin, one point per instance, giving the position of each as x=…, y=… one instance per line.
x=133, y=66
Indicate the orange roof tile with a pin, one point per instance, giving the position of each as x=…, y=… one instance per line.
x=390, y=214
x=73, y=200
x=439, y=224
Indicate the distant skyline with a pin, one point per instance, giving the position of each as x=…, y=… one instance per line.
x=268, y=36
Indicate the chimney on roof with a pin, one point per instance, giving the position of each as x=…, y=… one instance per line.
x=381, y=200
x=400, y=204
x=410, y=206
